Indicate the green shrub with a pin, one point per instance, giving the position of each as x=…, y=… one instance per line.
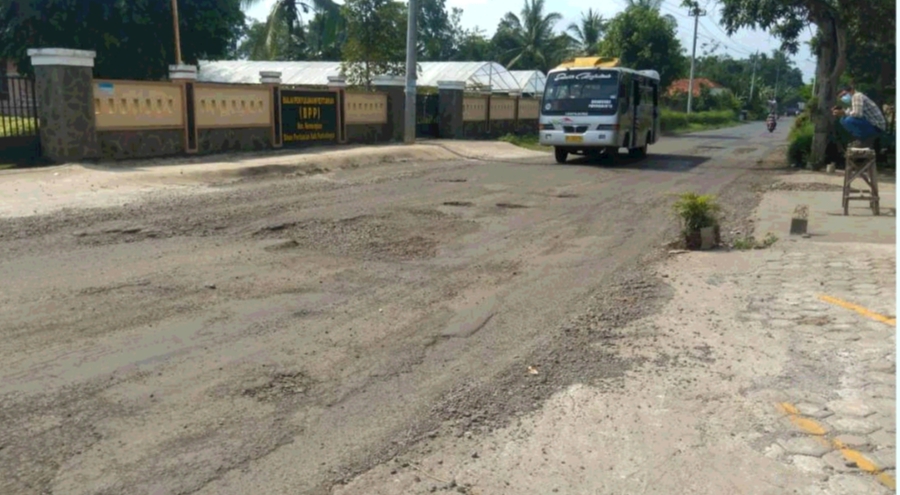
x=800, y=147
x=696, y=211
x=674, y=121
x=671, y=121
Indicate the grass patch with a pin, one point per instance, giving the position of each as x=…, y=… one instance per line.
x=750, y=242
x=16, y=126
x=528, y=142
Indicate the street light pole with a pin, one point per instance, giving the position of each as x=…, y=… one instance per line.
x=177, y=32
x=409, y=121
x=696, y=13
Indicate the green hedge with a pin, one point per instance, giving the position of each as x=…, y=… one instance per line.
x=800, y=139
x=674, y=121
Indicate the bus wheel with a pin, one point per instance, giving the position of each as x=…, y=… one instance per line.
x=638, y=152
x=612, y=154
x=561, y=154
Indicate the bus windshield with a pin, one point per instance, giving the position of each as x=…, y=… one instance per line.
x=582, y=92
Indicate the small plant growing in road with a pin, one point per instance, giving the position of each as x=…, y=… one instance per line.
x=697, y=212
x=750, y=242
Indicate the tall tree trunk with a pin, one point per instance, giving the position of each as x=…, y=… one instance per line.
x=832, y=61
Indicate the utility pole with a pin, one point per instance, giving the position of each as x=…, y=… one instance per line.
x=177, y=32
x=777, y=74
x=409, y=124
x=696, y=13
x=753, y=79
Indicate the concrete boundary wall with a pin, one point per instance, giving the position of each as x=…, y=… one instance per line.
x=124, y=119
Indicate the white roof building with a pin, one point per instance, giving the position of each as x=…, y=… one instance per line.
x=476, y=75
x=530, y=81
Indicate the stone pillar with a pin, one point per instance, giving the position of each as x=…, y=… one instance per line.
x=517, y=97
x=183, y=72
x=272, y=79
x=339, y=86
x=395, y=87
x=450, y=102
x=64, y=87
x=486, y=93
x=186, y=75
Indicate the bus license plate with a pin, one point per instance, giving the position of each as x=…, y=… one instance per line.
x=574, y=139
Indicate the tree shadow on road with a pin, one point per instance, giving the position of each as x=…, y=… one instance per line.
x=653, y=162
x=700, y=135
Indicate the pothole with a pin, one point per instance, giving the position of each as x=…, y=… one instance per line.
x=566, y=195
x=458, y=203
x=280, y=386
x=452, y=180
x=511, y=206
x=402, y=234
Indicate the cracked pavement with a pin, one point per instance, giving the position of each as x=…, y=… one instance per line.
x=313, y=332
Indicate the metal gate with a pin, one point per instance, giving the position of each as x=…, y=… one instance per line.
x=427, y=116
x=20, y=139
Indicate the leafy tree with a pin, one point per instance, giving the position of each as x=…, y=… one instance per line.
x=133, y=40
x=834, y=20
x=588, y=32
x=326, y=34
x=262, y=43
x=529, y=41
x=871, y=53
x=643, y=39
x=287, y=15
x=647, y=4
x=473, y=45
x=376, y=41
x=435, y=31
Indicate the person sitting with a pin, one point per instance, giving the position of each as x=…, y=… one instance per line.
x=864, y=120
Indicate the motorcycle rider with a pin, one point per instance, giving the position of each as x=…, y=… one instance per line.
x=770, y=121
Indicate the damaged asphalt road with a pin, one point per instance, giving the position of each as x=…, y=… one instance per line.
x=284, y=335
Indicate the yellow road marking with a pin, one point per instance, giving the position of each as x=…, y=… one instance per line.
x=808, y=425
x=813, y=427
x=859, y=309
x=887, y=480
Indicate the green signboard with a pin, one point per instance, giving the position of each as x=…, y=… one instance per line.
x=308, y=117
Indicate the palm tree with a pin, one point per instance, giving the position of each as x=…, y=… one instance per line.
x=529, y=41
x=289, y=14
x=588, y=32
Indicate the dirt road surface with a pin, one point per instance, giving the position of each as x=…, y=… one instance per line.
x=285, y=334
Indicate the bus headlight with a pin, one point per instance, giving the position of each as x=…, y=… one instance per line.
x=547, y=127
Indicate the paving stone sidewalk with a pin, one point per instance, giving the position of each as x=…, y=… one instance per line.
x=839, y=390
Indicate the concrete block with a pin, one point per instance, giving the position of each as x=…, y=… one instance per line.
x=851, y=407
x=806, y=445
x=843, y=424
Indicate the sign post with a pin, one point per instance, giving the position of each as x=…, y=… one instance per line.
x=309, y=117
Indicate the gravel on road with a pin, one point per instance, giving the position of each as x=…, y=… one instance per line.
x=283, y=335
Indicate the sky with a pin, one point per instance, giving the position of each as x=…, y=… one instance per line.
x=486, y=14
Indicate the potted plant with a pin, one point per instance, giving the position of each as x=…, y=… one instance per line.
x=700, y=225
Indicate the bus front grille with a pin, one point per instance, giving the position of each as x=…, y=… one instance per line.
x=575, y=129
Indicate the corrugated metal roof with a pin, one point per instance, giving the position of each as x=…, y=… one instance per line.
x=475, y=74
x=530, y=81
